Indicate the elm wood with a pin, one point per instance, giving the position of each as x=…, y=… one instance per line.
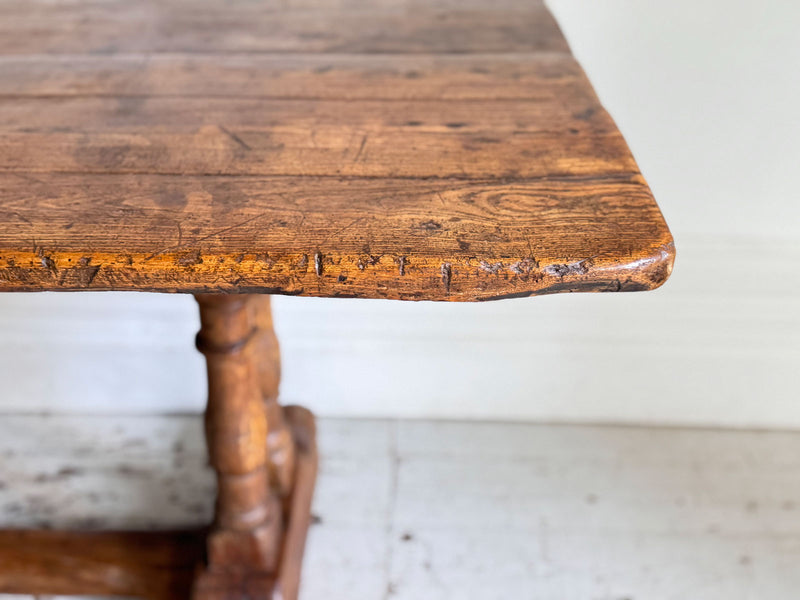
x=299, y=76
x=248, y=523
x=284, y=582
x=265, y=147
x=154, y=565
x=409, y=239
x=324, y=26
x=508, y=139
x=280, y=443
x=265, y=460
x=297, y=513
x=390, y=150
x=552, y=124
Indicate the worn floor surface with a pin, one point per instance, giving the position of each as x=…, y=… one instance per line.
x=443, y=510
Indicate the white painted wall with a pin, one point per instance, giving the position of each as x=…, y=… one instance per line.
x=706, y=91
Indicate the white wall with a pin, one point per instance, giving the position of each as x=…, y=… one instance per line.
x=706, y=92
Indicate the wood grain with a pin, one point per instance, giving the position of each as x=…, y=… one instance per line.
x=331, y=236
x=299, y=76
x=154, y=565
x=396, y=149
x=276, y=137
x=248, y=523
x=240, y=580
x=304, y=431
x=280, y=443
x=242, y=26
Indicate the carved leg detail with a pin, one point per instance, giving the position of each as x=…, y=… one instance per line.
x=248, y=525
x=280, y=444
x=264, y=455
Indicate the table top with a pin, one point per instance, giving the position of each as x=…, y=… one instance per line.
x=408, y=149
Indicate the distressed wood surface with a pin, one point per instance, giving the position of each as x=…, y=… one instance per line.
x=399, y=149
x=264, y=456
x=247, y=525
x=333, y=76
x=386, y=26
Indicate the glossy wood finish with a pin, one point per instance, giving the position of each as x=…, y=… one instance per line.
x=395, y=149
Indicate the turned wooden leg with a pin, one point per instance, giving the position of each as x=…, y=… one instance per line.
x=265, y=457
x=280, y=444
x=248, y=525
x=256, y=543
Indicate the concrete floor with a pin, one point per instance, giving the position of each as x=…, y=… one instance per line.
x=452, y=510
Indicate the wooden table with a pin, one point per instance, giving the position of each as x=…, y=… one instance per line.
x=403, y=149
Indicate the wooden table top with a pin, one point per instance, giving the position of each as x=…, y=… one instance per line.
x=411, y=149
